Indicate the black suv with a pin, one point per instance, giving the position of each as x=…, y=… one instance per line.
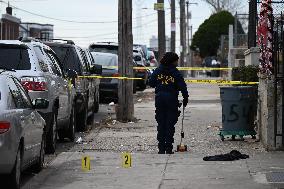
x=75, y=62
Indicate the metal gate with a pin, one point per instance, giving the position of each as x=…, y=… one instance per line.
x=278, y=58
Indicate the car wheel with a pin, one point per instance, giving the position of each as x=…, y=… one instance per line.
x=134, y=87
x=143, y=86
x=15, y=176
x=40, y=163
x=52, y=136
x=97, y=104
x=95, y=109
x=61, y=134
x=82, y=119
x=72, y=125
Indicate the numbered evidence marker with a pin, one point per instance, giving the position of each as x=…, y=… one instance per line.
x=86, y=163
x=126, y=160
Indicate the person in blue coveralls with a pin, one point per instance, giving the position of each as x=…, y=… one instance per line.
x=167, y=81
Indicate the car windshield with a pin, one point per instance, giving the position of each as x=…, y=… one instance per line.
x=68, y=57
x=106, y=61
x=14, y=57
x=104, y=49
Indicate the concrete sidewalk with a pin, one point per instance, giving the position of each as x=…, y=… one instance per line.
x=153, y=171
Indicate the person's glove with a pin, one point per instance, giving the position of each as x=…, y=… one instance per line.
x=185, y=101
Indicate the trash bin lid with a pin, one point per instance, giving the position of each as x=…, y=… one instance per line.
x=238, y=93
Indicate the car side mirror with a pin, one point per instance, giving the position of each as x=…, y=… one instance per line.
x=137, y=58
x=97, y=69
x=71, y=73
x=40, y=103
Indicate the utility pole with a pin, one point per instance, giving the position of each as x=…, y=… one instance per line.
x=252, y=23
x=182, y=33
x=125, y=109
x=191, y=54
x=236, y=29
x=173, y=25
x=188, y=16
x=161, y=31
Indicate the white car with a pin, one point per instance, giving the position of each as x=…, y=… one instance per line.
x=22, y=137
x=37, y=67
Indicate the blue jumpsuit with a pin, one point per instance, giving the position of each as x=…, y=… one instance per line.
x=167, y=81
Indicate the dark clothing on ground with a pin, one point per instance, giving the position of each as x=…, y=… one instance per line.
x=233, y=155
x=167, y=81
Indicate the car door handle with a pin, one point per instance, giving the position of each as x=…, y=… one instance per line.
x=33, y=116
x=22, y=118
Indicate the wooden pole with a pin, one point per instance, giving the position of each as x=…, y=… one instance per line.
x=173, y=25
x=161, y=32
x=125, y=109
x=182, y=32
x=188, y=63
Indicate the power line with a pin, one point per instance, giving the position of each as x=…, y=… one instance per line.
x=107, y=34
x=69, y=21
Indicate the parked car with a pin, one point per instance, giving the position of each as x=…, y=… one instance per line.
x=143, y=48
x=38, y=69
x=22, y=136
x=141, y=73
x=152, y=59
x=77, y=67
x=104, y=47
x=94, y=85
x=109, y=86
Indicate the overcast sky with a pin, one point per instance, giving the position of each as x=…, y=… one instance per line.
x=101, y=11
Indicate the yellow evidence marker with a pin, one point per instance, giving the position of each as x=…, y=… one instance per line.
x=126, y=160
x=86, y=163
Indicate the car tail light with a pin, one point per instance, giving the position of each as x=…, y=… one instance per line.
x=34, y=83
x=141, y=69
x=115, y=75
x=4, y=127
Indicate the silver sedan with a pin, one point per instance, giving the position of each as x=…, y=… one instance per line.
x=21, y=130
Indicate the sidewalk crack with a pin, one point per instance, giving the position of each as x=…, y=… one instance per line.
x=164, y=172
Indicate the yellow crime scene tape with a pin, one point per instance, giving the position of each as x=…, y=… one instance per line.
x=179, y=68
x=220, y=82
x=196, y=81
x=104, y=77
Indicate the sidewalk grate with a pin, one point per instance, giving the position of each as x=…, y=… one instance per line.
x=275, y=177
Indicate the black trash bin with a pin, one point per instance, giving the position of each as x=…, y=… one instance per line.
x=239, y=107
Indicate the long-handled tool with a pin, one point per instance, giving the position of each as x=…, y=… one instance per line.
x=181, y=147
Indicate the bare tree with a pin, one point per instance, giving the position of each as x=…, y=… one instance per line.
x=229, y=5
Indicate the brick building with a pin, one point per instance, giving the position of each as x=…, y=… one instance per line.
x=36, y=30
x=9, y=26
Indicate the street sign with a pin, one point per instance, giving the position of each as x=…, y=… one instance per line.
x=126, y=160
x=86, y=163
x=159, y=6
